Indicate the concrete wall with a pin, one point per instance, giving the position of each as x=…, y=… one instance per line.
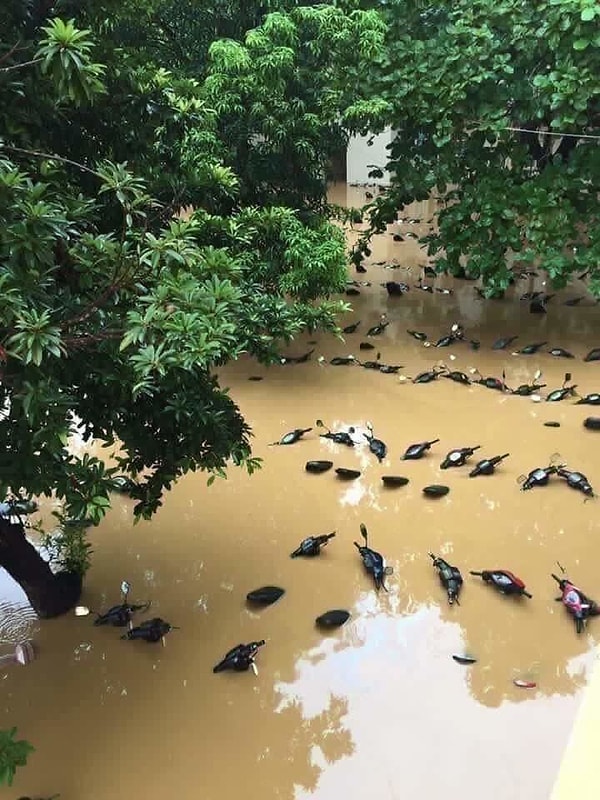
x=359, y=154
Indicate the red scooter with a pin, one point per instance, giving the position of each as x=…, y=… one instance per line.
x=579, y=605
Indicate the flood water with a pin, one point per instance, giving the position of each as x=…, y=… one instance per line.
x=377, y=708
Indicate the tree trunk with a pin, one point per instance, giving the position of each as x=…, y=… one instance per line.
x=50, y=595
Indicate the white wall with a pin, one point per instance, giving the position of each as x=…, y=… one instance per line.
x=359, y=154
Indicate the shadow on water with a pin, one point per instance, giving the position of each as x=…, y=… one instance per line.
x=377, y=708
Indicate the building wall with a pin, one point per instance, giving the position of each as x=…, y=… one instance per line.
x=359, y=154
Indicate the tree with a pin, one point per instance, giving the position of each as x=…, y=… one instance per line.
x=13, y=754
x=114, y=310
x=480, y=94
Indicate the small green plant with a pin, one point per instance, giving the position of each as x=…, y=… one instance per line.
x=67, y=545
x=13, y=754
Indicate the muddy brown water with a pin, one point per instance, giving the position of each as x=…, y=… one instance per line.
x=377, y=708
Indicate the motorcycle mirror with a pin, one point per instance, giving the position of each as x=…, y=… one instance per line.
x=389, y=570
x=254, y=668
x=125, y=587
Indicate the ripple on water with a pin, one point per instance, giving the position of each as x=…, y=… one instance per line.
x=18, y=620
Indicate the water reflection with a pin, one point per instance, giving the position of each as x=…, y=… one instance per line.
x=403, y=691
x=18, y=620
x=369, y=709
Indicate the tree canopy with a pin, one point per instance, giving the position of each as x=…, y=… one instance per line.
x=114, y=311
x=464, y=83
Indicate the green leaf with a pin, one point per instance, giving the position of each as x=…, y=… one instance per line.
x=13, y=754
x=103, y=502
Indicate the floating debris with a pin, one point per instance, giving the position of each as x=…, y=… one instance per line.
x=333, y=619
x=394, y=481
x=464, y=659
x=435, y=490
x=317, y=467
x=592, y=423
x=524, y=684
x=593, y=355
x=347, y=474
x=265, y=596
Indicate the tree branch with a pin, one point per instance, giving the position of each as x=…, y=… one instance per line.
x=12, y=50
x=93, y=306
x=77, y=342
x=50, y=157
x=22, y=64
